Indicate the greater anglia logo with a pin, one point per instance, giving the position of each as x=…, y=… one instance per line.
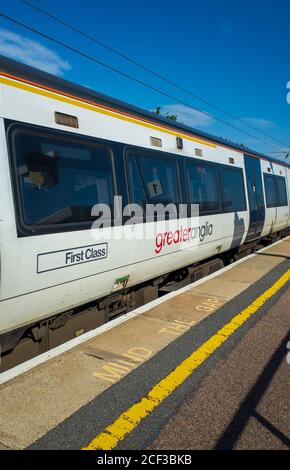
x=182, y=235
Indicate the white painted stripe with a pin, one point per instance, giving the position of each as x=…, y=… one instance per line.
x=31, y=363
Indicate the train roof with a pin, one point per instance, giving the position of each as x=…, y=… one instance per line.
x=27, y=72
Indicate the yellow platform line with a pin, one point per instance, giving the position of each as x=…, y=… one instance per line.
x=129, y=420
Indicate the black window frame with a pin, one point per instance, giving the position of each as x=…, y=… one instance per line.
x=241, y=172
x=12, y=128
x=281, y=178
x=275, y=178
x=129, y=150
x=272, y=177
x=216, y=166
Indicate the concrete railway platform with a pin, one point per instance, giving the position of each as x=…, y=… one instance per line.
x=201, y=368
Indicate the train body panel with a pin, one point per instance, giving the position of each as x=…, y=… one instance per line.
x=26, y=278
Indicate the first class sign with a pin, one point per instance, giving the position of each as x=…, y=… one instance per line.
x=70, y=257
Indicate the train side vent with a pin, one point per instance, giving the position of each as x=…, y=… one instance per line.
x=66, y=120
x=198, y=152
x=231, y=160
x=179, y=143
x=155, y=141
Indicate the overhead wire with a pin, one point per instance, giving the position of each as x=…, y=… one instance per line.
x=149, y=70
x=128, y=76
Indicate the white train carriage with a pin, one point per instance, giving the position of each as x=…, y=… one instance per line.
x=65, y=148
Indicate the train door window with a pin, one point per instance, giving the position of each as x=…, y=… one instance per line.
x=203, y=186
x=60, y=178
x=153, y=179
x=281, y=189
x=232, y=180
x=270, y=190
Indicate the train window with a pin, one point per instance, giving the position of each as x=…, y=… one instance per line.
x=282, y=193
x=61, y=178
x=270, y=190
x=153, y=179
x=234, y=199
x=203, y=186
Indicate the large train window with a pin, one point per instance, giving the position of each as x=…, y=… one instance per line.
x=270, y=190
x=153, y=179
x=281, y=189
x=233, y=188
x=60, y=178
x=203, y=186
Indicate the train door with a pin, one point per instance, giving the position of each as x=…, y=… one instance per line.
x=255, y=197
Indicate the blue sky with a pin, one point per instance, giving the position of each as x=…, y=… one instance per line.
x=235, y=54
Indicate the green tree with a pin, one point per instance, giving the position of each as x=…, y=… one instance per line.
x=172, y=117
